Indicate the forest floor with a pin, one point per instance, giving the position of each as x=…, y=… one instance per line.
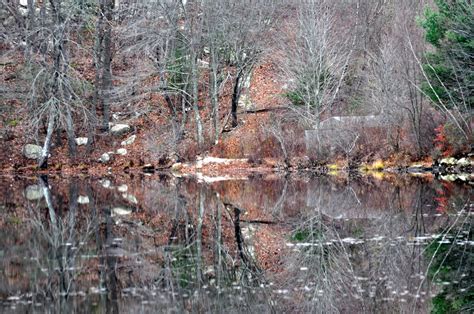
x=16, y=132
x=248, y=148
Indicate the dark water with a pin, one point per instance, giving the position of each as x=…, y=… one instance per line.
x=153, y=244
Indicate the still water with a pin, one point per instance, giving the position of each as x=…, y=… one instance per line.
x=266, y=244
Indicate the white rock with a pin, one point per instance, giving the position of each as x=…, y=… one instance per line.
x=120, y=129
x=463, y=177
x=464, y=162
x=32, y=151
x=177, y=166
x=105, y=158
x=449, y=177
x=122, y=188
x=448, y=161
x=120, y=211
x=83, y=199
x=131, y=198
x=33, y=192
x=106, y=183
x=122, y=151
x=129, y=141
x=80, y=141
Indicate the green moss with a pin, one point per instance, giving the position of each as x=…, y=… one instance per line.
x=13, y=123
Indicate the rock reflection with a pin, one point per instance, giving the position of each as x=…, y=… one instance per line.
x=268, y=244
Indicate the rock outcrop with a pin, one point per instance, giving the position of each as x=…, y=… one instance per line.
x=32, y=151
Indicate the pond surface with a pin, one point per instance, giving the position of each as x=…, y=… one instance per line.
x=267, y=244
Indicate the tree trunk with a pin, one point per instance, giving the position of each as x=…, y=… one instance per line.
x=97, y=101
x=235, y=99
x=214, y=96
x=106, y=7
x=195, y=91
x=43, y=162
x=30, y=29
x=71, y=138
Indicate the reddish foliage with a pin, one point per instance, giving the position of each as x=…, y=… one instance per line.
x=444, y=193
x=441, y=142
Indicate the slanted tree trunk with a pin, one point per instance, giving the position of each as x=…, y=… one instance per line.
x=235, y=99
x=43, y=161
x=54, y=84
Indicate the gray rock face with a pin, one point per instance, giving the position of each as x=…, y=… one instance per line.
x=32, y=151
x=33, y=192
x=129, y=141
x=120, y=129
x=105, y=158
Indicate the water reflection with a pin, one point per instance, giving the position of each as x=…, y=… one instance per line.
x=267, y=244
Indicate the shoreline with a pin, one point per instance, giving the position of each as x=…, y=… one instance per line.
x=211, y=169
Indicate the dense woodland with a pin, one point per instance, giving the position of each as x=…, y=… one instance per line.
x=357, y=80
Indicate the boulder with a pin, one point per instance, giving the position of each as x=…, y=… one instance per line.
x=80, y=141
x=106, y=184
x=131, y=198
x=129, y=141
x=120, y=129
x=33, y=192
x=448, y=161
x=105, y=158
x=122, y=188
x=83, y=199
x=464, y=162
x=32, y=151
x=121, y=151
x=120, y=211
x=449, y=177
x=177, y=166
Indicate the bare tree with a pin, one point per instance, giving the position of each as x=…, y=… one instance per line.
x=56, y=94
x=247, y=23
x=103, y=59
x=316, y=59
x=396, y=76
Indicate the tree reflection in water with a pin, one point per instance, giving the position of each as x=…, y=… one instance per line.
x=263, y=245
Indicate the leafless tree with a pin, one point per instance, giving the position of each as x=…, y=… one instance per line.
x=246, y=25
x=103, y=59
x=317, y=59
x=394, y=87
x=57, y=90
